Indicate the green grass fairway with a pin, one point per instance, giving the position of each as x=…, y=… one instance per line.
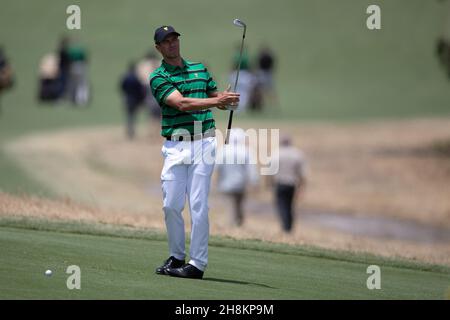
x=121, y=267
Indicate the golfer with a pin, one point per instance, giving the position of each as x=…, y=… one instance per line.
x=185, y=92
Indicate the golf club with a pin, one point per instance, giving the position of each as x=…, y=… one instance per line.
x=241, y=24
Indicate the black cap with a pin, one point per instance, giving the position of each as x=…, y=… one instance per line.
x=162, y=32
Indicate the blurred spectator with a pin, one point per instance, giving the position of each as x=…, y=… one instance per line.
x=63, y=63
x=289, y=180
x=144, y=68
x=264, y=78
x=50, y=86
x=236, y=171
x=246, y=81
x=6, y=74
x=443, y=53
x=78, y=85
x=245, y=61
x=64, y=74
x=134, y=95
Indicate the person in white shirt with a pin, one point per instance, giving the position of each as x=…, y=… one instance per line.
x=236, y=170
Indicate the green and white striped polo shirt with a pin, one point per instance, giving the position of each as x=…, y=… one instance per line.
x=192, y=80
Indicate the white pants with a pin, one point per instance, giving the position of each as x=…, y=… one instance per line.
x=187, y=172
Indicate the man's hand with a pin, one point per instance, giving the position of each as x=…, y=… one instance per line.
x=227, y=98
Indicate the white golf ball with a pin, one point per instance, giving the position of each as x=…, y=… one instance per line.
x=48, y=273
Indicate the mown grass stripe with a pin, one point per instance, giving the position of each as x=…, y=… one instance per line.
x=78, y=227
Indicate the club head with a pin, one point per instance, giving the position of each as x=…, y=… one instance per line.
x=239, y=23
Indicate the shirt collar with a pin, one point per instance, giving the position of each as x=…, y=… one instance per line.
x=172, y=68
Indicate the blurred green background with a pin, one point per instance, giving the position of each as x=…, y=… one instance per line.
x=330, y=67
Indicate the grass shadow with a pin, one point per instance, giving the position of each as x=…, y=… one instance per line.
x=239, y=282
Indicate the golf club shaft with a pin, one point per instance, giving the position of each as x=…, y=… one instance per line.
x=239, y=64
x=230, y=118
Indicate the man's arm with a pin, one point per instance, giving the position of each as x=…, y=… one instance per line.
x=215, y=93
x=216, y=99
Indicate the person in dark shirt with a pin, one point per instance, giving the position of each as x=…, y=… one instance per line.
x=134, y=94
x=6, y=75
x=264, y=75
x=64, y=65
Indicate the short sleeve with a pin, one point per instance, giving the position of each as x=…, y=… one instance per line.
x=161, y=88
x=211, y=84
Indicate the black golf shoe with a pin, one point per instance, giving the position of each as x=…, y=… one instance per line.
x=172, y=262
x=186, y=271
